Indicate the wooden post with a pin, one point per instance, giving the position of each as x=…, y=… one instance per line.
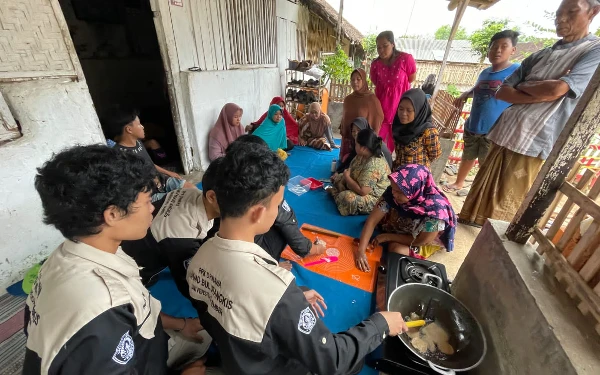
x=460, y=11
x=339, y=25
x=576, y=136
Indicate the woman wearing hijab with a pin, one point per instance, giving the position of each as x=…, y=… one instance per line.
x=315, y=129
x=272, y=129
x=417, y=140
x=361, y=103
x=226, y=130
x=291, y=126
x=392, y=73
x=360, y=123
x=414, y=216
x=357, y=189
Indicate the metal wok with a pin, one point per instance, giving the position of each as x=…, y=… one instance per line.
x=466, y=335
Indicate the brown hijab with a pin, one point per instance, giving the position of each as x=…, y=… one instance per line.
x=316, y=127
x=361, y=103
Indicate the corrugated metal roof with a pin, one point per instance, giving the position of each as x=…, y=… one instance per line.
x=433, y=50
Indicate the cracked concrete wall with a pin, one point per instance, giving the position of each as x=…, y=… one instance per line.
x=54, y=114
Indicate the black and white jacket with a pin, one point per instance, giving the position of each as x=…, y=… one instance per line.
x=285, y=231
x=261, y=320
x=178, y=230
x=88, y=313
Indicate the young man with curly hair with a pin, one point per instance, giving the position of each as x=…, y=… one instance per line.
x=262, y=322
x=88, y=312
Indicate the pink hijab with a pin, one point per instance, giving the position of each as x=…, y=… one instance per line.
x=223, y=131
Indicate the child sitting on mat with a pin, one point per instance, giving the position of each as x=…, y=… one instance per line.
x=357, y=189
x=414, y=216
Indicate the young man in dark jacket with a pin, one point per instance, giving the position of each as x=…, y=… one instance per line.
x=267, y=330
x=285, y=230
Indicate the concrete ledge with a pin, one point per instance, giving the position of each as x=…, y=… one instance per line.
x=532, y=326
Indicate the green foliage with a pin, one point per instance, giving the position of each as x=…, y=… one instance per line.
x=443, y=33
x=369, y=44
x=480, y=39
x=336, y=66
x=453, y=90
x=598, y=32
x=542, y=35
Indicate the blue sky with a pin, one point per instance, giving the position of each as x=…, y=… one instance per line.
x=427, y=15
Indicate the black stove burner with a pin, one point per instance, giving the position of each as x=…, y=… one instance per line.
x=401, y=270
x=416, y=272
x=393, y=357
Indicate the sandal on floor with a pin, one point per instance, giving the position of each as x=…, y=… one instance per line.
x=463, y=192
x=448, y=189
x=451, y=170
x=469, y=223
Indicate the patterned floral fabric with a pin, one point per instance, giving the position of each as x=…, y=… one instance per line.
x=423, y=150
x=371, y=172
x=425, y=201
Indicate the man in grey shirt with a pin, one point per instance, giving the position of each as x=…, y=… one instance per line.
x=543, y=92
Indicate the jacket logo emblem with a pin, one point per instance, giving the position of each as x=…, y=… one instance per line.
x=307, y=321
x=285, y=206
x=186, y=263
x=125, y=349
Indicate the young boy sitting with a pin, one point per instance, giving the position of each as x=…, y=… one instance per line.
x=486, y=108
x=88, y=312
x=124, y=126
x=260, y=319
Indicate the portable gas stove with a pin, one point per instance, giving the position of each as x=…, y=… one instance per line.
x=402, y=270
x=393, y=357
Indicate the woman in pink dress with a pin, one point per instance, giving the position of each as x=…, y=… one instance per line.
x=392, y=73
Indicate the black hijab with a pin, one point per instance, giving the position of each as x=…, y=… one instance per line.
x=404, y=134
x=363, y=124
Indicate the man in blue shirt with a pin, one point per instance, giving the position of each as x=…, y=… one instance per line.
x=486, y=108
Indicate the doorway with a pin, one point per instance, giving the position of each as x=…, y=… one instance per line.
x=118, y=49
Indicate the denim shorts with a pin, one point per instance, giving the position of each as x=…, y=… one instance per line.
x=170, y=184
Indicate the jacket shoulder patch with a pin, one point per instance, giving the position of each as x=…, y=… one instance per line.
x=125, y=349
x=285, y=206
x=307, y=321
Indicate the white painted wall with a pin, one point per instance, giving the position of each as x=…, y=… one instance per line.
x=208, y=92
x=54, y=114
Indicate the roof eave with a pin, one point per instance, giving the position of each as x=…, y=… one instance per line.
x=478, y=4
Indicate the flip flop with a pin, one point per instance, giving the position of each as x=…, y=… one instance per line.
x=448, y=189
x=451, y=170
x=463, y=192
